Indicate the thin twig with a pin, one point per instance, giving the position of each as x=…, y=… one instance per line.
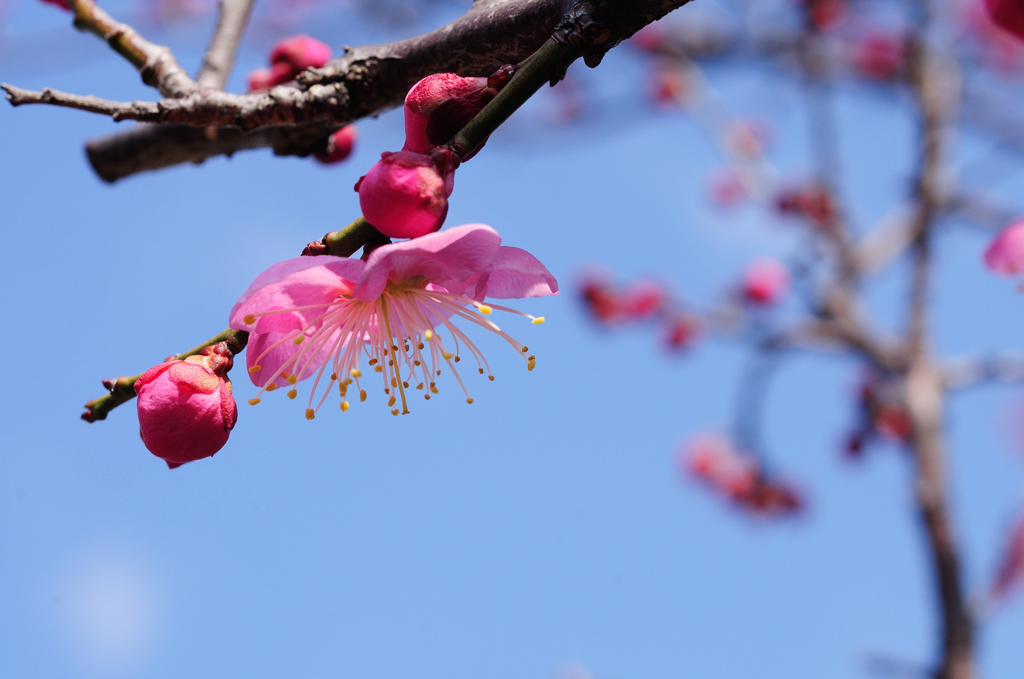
x=232, y=18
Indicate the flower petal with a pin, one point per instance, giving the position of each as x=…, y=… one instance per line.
x=514, y=274
x=301, y=281
x=445, y=258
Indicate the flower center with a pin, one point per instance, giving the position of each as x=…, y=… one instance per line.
x=397, y=336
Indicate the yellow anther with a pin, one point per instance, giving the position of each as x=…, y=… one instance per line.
x=299, y=339
x=346, y=381
x=485, y=310
x=334, y=376
x=255, y=369
x=253, y=401
x=372, y=361
x=394, y=382
x=525, y=349
x=457, y=359
x=469, y=400
x=248, y=319
x=427, y=334
x=356, y=373
x=405, y=384
x=292, y=379
x=391, y=401
x=395, y=412
x=531, y=358
x=531, y=365
x=271, y=387
x=344, y=406
x=420, y=346
x=438, y=372
x=419, y=386
x=490, y=377
x=433, y=388
x=362, y=395
x=426, y=396
x=538, y=320
x=446, y=355
x=391, y=361
x=310, y=413
x=378, y=368
x=292, y=394
x=416, y=363
x=394, y=348
x=481, y=370
x=386, y=390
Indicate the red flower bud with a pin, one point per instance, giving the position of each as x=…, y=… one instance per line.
x=765, y=281
x=186, y=410
x=339, y=146
x=300, y=52
x=405, y=195
x=440, y=105
x=1008, y=15
x=60, y=3
x=880, y=56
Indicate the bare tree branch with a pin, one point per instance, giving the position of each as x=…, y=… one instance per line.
x=363, y=82
x=155, y=63
x=232, y=18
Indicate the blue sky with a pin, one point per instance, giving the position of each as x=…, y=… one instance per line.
x=542, y=528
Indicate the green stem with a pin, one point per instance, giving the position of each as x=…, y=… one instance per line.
x=345, y=242
x=550, y=61
x=122, y=389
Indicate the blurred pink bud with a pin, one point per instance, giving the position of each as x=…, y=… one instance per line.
x=602, y=301
x=651, y=38
x=879, y=55
x=1005, y=254
x=643, y=299
x=265, y=78
x=300, y=52
x=1008, y=15
x=682, y=333
x=339, y=146
x=725, y=188
x=825, y=14
x=186, y=410
x=60, y=3
x=669, y=87
x=1011, y=568
x=811, y=202
x=405, y=194
x=765, y=281
x=440, y=105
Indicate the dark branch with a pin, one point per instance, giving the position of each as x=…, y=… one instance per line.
x=232, y=17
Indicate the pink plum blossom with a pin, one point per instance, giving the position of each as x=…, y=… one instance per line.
x=339, y=146
x=765, y=281
x=405, y=194
x=1005, y=254
x=324, y=315
x=186, y=409
x=880, y=55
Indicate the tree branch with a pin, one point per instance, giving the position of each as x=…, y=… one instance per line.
x=363, y=82
x=232, y=18
x=155, y=63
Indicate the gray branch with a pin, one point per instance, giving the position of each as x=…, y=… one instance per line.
x=232, y=18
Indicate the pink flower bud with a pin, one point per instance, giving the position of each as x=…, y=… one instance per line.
x=643, y=299
x=1008, y=15
x=60, y=3
x=1005, y=255
x=879, y=55
x=765, y=281
x=405, y=195
x=300, y=52
x=682, y=332
x=441, y=104
x=339, y=146
x=186, y=410
x=725, y=188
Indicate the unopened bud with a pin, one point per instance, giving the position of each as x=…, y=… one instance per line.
x=300, y=52
x=765, y=281
x=63, y=4
x=1008, y=15
x=1005, y=255
x=186, y=409
x=339, y=146
x=440, y=105
x=405, y=195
